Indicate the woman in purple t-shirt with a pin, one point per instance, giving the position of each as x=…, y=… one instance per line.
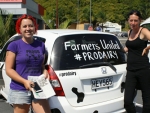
x=25, y=57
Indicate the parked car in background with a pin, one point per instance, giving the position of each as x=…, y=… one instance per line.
x=120, y=34
x=87, y=70
x=124, y=34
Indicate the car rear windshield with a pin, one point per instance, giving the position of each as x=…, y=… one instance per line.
x=75, y=51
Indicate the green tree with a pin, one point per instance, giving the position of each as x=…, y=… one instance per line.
x=7, y=28
x=145, y=9
x=50, y=22
x=65, y=24
x=101, y=10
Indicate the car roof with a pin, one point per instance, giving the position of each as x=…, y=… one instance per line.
x=69, y=31
x=61, y=32
x=52, y=34
x=55, y=33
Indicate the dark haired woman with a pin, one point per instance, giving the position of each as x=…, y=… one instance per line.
x=138, y=73
x=20, y=65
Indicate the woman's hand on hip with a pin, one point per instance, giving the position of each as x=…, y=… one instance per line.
x=145, y=51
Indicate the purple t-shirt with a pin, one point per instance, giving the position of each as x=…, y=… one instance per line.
x=29, y=59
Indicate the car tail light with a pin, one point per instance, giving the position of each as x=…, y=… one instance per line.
x=55, y=81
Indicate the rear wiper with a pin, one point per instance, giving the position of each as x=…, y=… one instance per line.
x=100, y=63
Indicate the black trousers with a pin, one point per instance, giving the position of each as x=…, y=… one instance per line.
x=140, y=78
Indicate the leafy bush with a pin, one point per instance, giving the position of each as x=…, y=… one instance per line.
x=7, y=26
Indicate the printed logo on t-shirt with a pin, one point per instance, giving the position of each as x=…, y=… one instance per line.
x=33, y=61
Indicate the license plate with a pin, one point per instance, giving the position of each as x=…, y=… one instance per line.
x=102, y=82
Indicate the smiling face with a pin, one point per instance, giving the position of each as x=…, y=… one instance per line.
x=27, y=28
x=134, y=21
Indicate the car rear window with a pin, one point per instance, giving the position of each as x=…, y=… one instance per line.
x=74, y=51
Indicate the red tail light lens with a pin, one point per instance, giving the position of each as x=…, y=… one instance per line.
x=55, y=81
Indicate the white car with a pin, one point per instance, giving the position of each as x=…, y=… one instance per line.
x=87, y=70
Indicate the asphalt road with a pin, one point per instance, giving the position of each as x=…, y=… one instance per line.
x=6, y=108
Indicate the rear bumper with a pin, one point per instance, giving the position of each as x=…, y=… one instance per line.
x=61, y=105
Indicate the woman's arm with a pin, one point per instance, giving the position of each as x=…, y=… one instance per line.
x=146, y=50
x=126, y=49
x=45, y=72
x=9, y=65
x=146, y=35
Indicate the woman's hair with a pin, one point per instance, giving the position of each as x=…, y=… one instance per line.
x=18, y=23
x=135, y=12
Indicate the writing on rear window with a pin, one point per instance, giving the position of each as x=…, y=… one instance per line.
x=108, y=50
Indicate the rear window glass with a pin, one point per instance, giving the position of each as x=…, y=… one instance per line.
x=74, y=51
